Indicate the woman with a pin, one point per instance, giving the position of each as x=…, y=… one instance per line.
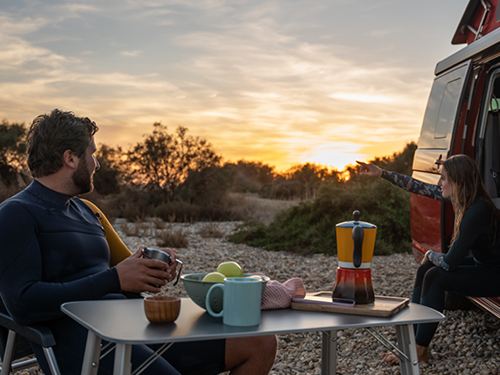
x=471, y=266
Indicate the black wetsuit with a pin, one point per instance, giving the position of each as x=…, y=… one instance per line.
x=473, y=260
x=53, y=250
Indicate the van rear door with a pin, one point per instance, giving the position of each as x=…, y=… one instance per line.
x=436, y=139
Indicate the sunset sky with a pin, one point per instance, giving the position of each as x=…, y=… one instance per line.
x=283, y=82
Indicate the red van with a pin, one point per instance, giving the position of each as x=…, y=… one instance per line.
x=462, y=116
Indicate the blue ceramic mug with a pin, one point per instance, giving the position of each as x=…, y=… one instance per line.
x=241, y=301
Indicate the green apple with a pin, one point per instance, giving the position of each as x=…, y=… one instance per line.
x=256, y=277
x=214, y=277
x=230, y=269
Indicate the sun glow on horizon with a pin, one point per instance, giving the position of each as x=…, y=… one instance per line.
x=336, y=155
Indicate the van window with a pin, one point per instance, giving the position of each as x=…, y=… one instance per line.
x=494, y=105
x=439, y=121
x=442, y=108
x=448, y=109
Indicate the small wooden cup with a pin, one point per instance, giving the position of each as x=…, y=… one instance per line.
x=162, y=309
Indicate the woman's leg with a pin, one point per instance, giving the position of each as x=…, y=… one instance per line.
x=465, y=280
x=417, y=288
x=391, y=358
x=419, y=279
x=432, y=282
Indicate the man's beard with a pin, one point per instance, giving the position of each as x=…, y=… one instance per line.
x=82, y=178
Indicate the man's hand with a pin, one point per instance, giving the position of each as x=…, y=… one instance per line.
x=369, y=169
x=172, y=267
x=138, y=274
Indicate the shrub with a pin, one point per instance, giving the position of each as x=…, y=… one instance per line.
x=130, y=203
x=177, y=211
x=130, y=229
x=158, y=223
x=172, y=238
x=7, y=191
x=210, y=230
x=310, y=226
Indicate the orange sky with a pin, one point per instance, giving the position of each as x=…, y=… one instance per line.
x=276, y=81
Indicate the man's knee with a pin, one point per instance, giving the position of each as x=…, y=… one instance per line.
x=270, y=346
x=260, y=348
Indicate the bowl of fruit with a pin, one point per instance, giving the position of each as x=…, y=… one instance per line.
x=197, y=284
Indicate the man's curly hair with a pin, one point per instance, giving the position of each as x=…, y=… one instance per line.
x=50, y=135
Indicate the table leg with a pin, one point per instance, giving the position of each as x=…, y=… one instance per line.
x=329, y=353
x=123, y=365
x=9, y=350
x=92, y=353
x=406, y=343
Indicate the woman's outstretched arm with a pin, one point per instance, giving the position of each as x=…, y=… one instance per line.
x=405, y=182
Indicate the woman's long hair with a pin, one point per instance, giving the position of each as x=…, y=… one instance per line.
x=466, y=187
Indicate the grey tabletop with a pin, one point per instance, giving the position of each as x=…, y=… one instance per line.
x=124, y=321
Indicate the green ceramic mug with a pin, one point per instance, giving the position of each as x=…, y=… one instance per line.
x=241, y=301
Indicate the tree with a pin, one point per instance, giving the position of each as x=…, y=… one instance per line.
x=107, y=180
x=12, y=151
x=310, y=176
x=206, y=187
x=162, y=161
x=249, y=176
x=400, y=162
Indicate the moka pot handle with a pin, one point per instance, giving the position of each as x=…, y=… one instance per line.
x=357, y=236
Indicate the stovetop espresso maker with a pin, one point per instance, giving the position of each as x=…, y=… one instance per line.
x=355, y=247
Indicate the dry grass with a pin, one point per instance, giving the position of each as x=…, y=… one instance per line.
x=172, y=238
x=130, y=229
x=146, y=229
x=211, y=230
x=250, y=207
x=143, y=229
x=158, y=223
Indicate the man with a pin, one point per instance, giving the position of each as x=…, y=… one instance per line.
x=54, y=250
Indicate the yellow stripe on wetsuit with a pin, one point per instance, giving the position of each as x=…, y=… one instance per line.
x=117, y=248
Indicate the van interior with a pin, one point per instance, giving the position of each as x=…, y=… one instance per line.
x=491, y=154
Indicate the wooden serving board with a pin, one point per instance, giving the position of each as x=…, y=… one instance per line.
x=383, y=306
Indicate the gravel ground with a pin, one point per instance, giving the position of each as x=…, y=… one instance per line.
x=467, y=342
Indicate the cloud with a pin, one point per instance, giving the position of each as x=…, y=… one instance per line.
x=238, y=73
x=75, y=9
x=20, y=26
x=16, y=52
x=131, y=53
x=363, y=98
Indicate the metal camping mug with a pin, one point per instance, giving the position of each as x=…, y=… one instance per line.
x=152, y=253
